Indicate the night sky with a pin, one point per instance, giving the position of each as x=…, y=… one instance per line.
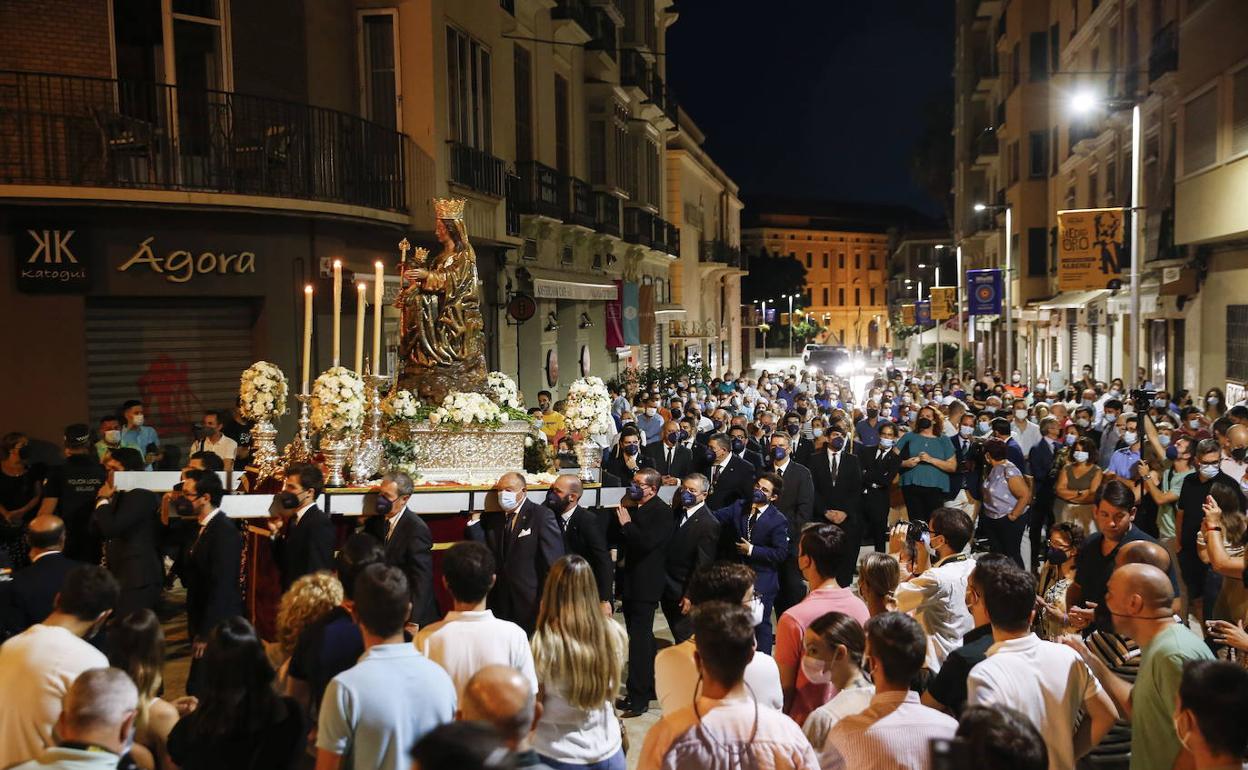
x=818, y=98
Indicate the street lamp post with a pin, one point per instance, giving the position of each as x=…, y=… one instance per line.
x=1007, y=295
x=961, y=328
x=790, y=298
x=1083, y=103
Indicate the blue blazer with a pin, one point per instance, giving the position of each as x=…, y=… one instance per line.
x=770, y=539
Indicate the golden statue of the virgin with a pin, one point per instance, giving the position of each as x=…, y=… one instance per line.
x=442, y=347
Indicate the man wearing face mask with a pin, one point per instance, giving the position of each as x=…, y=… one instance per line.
x=137, y=435
x=1024, y=431
x=70, y=492
x=756, y=534
x=525, y=541
x=693, y=546
x=109, y=432
x=1235, y=462
x=1139, y=599
x=584, y=534
x=1111, y=431
x=644, y=527
x=741, y=447
x=96, y=725
x=1208, y=720
x=650, y=422
x=38, y=666
x=1123, y=461
x=793, y=428
x=838, y=485
x=302, y=534
x=212, y=565
x=796, y=502
x=880, y=465
x=668, y=457
x=732, y=478
x=1189, y=513
x=408, y=544
x=627, y=458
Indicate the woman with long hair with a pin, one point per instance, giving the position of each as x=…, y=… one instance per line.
x=1223, y=507
x=1056, y=575
x=1077, y=484
x=579, y=656
x=21, y=491
x=1215, y=404
x=834, y=648
x=136, y=645
x=240, y=721
x=308, y=600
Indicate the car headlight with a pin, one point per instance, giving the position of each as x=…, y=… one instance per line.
x=844, y=369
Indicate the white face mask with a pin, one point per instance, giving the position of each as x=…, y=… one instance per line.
x=967, y=431
x=1080, y=456
x=509, y=500
x=1209, y=470
x=816, y=671
x=1212, y=400
x=112, y=436
x=1129, y=437
x=1020, y=414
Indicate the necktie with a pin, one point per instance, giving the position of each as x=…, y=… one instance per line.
x=780, y=471
x=834, y=464
x=749, y=527
x=714, y=474
x=669, y=458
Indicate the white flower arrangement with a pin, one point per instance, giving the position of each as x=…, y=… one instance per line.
x=466, y=409
x=337, y=402
x=262, y=392
x=503, y=390
x=588, y=407
x=400, y=406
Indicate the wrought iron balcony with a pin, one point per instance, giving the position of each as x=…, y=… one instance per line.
x=513, y=216
x=986, y=146
x=582, y=210
x=603, y=34
x=103, y=132
x=577, y=11
x=722, y=253
x=607, y=214
x=666, y=237
x=478, y=170
x=639, y=227
x=1164, y=56
x=541, y=190
x=635, y=71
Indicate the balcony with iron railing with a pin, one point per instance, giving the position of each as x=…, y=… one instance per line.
x=638, y=227
x=635, y=71
x=719, y=252
x=541, y=190
x=577, y=11
x=986, y=147
x=477, y=170
x=607, y=214
x=582, y=210
x=61, y=130
x=512, y=213
x=666, y=237
x=603, y=33
x=1164, y=56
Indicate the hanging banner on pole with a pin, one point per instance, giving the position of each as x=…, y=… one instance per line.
x=923, y=312
x=944, y=302
x=631, y=323
x=1091, y=249
x=907, y=315
x=615, y=318
x=983, y=289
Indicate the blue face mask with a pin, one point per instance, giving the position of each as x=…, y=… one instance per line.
x=673, y=436
x=684, y=436
x=635, y=491
x=738, y=445
x=687, y=498
x=710, y=455
x=779, y=453
x=760, y=496
x=836, y=443
x=632, y=449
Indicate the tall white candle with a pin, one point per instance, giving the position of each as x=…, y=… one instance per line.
x=337, y=310
x=379, y=278
x=307, y=335
x=359, y=327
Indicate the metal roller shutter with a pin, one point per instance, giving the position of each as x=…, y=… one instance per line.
x=179, y=357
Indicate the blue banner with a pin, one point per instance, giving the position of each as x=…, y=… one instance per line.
x=983, y=292
x=632, y=326
x=923, y=312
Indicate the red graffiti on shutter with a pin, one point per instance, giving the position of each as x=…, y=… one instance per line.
x=168, y=401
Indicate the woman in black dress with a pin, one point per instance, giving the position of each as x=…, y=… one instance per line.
x=21, y=491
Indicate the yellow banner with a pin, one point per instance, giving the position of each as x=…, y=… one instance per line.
x=907, y=315
x=944, y=302
x=1090, y=248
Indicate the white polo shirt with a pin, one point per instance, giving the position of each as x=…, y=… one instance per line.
x=465, y=642
x=1045, y=681
x=676, y=678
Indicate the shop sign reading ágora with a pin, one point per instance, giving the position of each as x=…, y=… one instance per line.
x=180, y=266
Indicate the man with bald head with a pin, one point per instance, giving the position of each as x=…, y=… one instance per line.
x=96, y=725
x=668, y=455
x=1140, y=601
x=33, y=588
x=1235, y=464
x=584, y=534
x=525, y=541
x=502, y=698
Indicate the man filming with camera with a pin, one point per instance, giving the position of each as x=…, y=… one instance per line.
x=934, y=591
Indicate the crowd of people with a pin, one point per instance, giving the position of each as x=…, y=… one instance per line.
x=904, y=570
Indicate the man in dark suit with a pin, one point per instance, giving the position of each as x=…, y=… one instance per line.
x=33, y=589
x=693, y=546
x=1040, y=460
x=759, y=533
x=584, y=534
x=798, y=445
x=626, y=458
x=880, y=464
x=741, y=447
x=127, y=523
x=526, y=541
x=964, y=483
x=408, y=545
x=668, y=457
x=732, y=478
x=796, y=502
x=837, y=476
x=212, y=568
x=303, y=539
x=645, y=529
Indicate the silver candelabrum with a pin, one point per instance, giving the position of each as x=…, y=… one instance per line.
x=368, y=451
x=299, y=450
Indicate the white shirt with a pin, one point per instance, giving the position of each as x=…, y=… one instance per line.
x=894, y=731
x=1233, y=468
x=299, y=513
x=690, y=512
x=36, y=669
x=676, y=678
x=465, y=642
x=780, y=469
x=819, y=723
x=937, y=599
x=1027, y=435
x=225, y=448
x=1047, y=682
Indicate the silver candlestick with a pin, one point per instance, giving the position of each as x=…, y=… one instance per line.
x=367, y=458
x=299, y=450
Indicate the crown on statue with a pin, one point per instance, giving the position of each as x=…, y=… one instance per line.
x=449, y=208
x=420, y=255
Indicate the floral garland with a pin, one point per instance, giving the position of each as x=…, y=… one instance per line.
x=588, y=407
x=502, y=389
x=460, y=409
x=337, y=402
x=400, y=406
x=262, y=392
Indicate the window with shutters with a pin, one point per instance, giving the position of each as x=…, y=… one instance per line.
x=1237, y=342
x=1037, y=154
x=1239, y=112
x=840, y=297
x=1200, y=132
x=524, y=104
x=1037, y=55
x=857, y=296
x=1037, y=252
x=563, y=126
x=871, y=292
x=825, y=296
x=468, y=90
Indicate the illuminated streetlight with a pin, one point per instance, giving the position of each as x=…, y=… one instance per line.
x=1083, y=102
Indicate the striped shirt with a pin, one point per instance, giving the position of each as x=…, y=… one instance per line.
x=894, y=733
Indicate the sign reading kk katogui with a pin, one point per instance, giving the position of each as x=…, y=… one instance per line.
x=1091, y=249
x=51, y=260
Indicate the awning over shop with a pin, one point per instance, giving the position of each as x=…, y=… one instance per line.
x=1069, y=299
x=550, y=284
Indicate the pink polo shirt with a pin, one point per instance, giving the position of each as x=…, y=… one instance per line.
x=790, y=636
